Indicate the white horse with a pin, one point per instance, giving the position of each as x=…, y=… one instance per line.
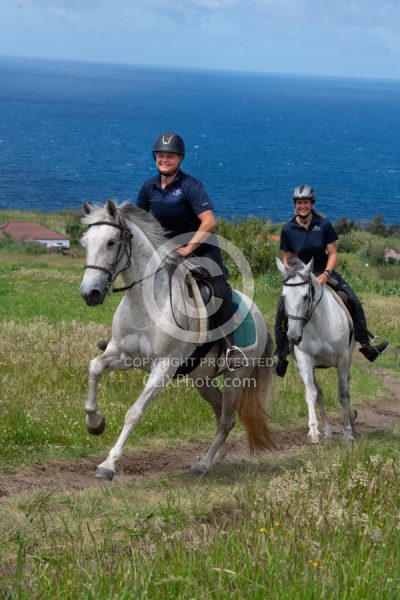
x=154, y=329
x=320, y=335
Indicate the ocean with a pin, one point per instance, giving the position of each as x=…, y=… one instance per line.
x=71, y=131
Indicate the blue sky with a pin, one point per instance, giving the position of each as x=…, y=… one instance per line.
x=351, y=38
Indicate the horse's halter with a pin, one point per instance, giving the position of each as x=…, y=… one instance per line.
x=311, y=296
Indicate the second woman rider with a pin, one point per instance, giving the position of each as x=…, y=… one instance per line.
x=310, y=235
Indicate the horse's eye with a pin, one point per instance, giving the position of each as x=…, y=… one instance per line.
x=110, y=243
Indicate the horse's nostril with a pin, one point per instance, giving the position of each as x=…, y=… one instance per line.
x=93, y=298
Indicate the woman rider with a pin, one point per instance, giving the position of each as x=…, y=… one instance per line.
x=310, y=235
x=182, y=206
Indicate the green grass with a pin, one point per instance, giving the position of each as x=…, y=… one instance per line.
x=322, y=524
x=48, y=287
x=318, y=523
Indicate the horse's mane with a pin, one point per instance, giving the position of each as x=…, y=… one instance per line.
x=145, y=221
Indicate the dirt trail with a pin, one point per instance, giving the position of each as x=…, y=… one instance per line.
x=65, y=475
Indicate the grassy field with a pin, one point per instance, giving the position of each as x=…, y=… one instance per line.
x=319, y=523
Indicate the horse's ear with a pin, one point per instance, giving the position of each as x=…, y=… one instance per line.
x=281, y=267
x=306, y=269
x=111, y=208
x=310, y=265
x=86, y=208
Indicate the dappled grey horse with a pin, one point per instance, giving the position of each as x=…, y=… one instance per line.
x=319, y=334
x=156, y=327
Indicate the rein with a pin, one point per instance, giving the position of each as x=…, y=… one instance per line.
x=311, y=297
x=124, y=245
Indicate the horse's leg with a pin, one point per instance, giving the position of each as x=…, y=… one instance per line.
x=156, y=381
x=306, y=370
x=230, y=399
x=111, y=360
x=353, y=412
x=212, y=395
x=322, y=411
x=349, y=414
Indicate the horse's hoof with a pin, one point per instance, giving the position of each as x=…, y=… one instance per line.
x=98, y=430
x=101, y=473
x=355, y=416
x=314, y=439
x=198, y=469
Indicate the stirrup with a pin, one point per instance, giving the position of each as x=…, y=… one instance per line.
x=385, y=344
x=371, y=352
x=382, y=346
x=244, y=361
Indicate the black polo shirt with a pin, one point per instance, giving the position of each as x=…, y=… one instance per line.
x=178, y=205
x=309, y=243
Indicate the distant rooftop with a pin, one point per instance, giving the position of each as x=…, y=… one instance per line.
x=22, y=232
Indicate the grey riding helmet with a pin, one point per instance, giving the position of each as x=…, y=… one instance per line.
x=304, y=192
x=169, y=142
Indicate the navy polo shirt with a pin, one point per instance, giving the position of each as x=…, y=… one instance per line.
x=178, y=205
x=309, y=243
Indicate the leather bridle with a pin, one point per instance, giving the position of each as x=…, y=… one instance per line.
x=311, y=297
x=124, y=246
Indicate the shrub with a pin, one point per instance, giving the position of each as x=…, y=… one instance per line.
x=33, y=249
x=389, y=271
x=8, y=245
x=253, y=237
x=348, y=243
x=377, y=226
x=375, y=251
x=345, y=226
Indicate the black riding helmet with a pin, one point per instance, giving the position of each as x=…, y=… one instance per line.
x=304, y=192
x=169, y=142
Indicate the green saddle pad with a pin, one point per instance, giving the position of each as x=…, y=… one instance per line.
x=245, y=331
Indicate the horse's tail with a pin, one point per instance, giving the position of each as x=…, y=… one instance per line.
x=254, y=401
